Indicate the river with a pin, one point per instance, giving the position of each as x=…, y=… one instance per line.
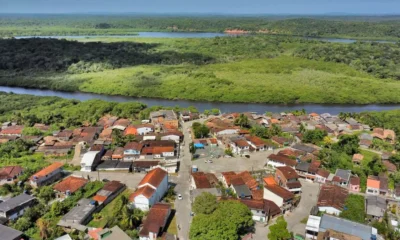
x=195, y=35
x=202, y=105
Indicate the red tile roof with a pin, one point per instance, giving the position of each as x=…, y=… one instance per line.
x=287, y=172
x=12, y=130
x=154, y=177
x=227, y=176
x=201, y=181
x=93, y=233
x=236, y=180
x=292, y=185
x=133, y=145
x=99, y=198
x=45, y=171
x=145, y=191
x=280, y=191
x=255, y=140
x=156, y=219
x=113, y=186
x=257, y=194
x=332, y=196
x=354, y=180
x=10, y=172
x=323, y=173
x=269, y=207
x=270, y=180
x=248, y=179
x=71, y=183
x=242, y=143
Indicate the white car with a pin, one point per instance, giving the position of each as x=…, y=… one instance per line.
x=180, y=197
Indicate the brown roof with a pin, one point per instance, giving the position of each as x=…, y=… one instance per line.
x=133, y=145
x=145, y=164
x=365, y=142
x=113, y=186
x=45, y=171
x=236, y=180
x=280, y=191
x=288, y=172
x=282, y=159
x=227, y=176
x=71, y=183
x=122, y=122
x=146, y=191
x=201, y=181
x=280, y=140
x=65, y=134
x=154, y=177
x=255, y=140
x=314, y=166
x=156, y=219
x=17, y=130
x=358, y=157
x=212, y=179
x=292, y=185
x=248, y=179
x=97, y=147
x=10, y=172
x=290, y=152
x=257, y=194
x=119, y=151
x=323, y=173
x=332, y=196
x=242, y=143
x=332, y=234
x=389, y=166
x=354, y=180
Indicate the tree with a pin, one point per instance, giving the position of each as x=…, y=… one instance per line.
x=57, y=208
x=215, y=111
x=279, y=231
x=229, y=152
x=230, y=220
x=31, y=131
x=200, y=130
x=207, y=112
x=192, y=149
x=314, y=136
x=22, y=224
x=348, y=144
x=259, y=131
x=206, y=203
x=46, y=193
x=242, y=121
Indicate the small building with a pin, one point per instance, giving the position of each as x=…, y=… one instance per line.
x=8, y=233
x=15, y=130
x=362, y=231
x=176, y=136
x=79, y=216
x=15, y=207
x=262, y=210
x=280, y=161
x=343, y=177
x=69, y=186
x=47, y=175
x=375, y=207
x=357, y=158
x=239, y=187
x=377, y=185
x=132, y=151
x=144, y=166
x=200, y=180
x=112, y=233
x=110, y=191
x=256, y=143
x=321, y=176
x=140, y=129
x=280, y=196
x=150, y=190
x=9, y=174
x=332, y=199
x=155, y=222
x=118, y=154
x=288, y=178
x=354, y=185
x=90, y=160
x=312, y=227
x=167, y=119
x=390, y=167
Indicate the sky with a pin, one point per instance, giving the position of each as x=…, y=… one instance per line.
x=203, y=6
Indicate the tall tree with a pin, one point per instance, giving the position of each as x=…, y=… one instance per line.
x=279, y=231
x=206, y=203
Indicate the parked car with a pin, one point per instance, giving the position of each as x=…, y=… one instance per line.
x=210, y=161
x=196, y=156
x=180, y=196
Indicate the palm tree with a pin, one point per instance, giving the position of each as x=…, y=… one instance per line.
x=242, y=120
x=44, y=228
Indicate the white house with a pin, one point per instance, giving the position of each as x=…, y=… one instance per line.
x=144, y=129
x=150, y=190
x=280, y=196
x=90, y=160
x=321, y=176
x=280, y=161
x=312, y=227
x=132, y=151
x=47, y=175
x=171, y=136
x=149, y=136
x=240, y=146
x=227, y=131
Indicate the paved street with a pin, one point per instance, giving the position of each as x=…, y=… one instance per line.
x=183, y=207
x=131, y=180
x=309, y=197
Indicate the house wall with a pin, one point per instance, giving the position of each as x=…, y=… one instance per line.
x=330, y=210
x=143, y=203
x=275, y=164
x=258, y=215
x=319, y=179
x=273, y=197
x=372, y=191
x=354, y=188
x=50, y=178
x=15, y=213
x=144, y=130
x=226, y=131
x=168, y=154
x=149, y=137
x=171, y=137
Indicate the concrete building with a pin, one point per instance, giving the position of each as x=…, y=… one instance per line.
x=331, y=199
x=79, y=216
x=90, y=160
x=15, y=207
x=47, y=175
x=7, y=233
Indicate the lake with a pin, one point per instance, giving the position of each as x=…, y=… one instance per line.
x=202, y=105
x=195, y=35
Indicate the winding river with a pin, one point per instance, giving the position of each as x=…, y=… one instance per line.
x=202, y=105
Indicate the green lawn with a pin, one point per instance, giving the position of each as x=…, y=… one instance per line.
x=107, y=211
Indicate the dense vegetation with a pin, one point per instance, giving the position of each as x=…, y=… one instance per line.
x=356, y=27
x=268, y=69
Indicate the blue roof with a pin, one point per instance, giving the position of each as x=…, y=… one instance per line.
x=198, y=145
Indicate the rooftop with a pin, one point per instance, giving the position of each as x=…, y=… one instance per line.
x=346, y=226
x=156, y=219
x=154, y=177
x=10, y=172
x=113, y=233
x=15, y=202
x=71, y=184
x=288, y=172
x=200, y=179
x=79, y=212
x=282, y=159
x=45, y=171
x=8, y=233
x=280, y=191
x=376, y=206
x=332, y=196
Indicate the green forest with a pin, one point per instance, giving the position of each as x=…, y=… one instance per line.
x=265, y=69
x=372, y=27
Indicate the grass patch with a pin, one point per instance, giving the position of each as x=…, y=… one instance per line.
x=108, y=211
